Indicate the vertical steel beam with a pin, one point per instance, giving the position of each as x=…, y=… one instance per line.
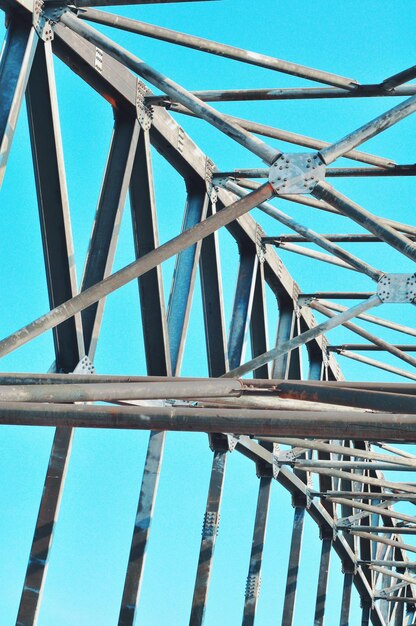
x=243, y=300
x=322, y=581
x=285, y=331
x=146, y=239
x=15, y=64
x=45, y=135
x=399, y=611
x=158, y=361
x=106, y=226
x=209, y=536
x=68, y=341
x=213, y=304
x=258, y=322
x=293, y=567
x=365, y=612
x=141, y=531
x=256, y=557
x=259, y=343
x=287, y=327
x=185, y=272
x=346, y=599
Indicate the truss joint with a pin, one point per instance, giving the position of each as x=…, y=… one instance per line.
x=294, y=173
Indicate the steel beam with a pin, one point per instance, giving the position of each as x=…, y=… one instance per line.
x=104, y=235
x=15, y=65
x=213, y=47
x=180, y=299
x=60, y=273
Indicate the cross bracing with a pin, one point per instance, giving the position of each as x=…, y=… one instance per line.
x=335, y=446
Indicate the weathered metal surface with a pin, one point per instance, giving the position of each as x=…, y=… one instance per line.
x=352, y=488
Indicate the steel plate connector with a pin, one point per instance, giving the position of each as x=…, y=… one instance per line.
x=397, y=288
x=296, y=173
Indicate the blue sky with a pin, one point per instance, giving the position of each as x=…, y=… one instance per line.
x=367, y=42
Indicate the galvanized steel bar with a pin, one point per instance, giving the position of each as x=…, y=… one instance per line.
x=293, y=138
x=290, y=93
x=213, y=47
x=371, y=129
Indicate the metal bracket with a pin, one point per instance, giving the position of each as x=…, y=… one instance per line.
x=253, y=586
x=41, y=22
x=85, y=366
x=211, y=189
x=98, y=61
x=296, y=173
x=144, y=113
x=211, y=524
x=304, y=300
x=344, y=523
x=397, y=288
x=260, y=246
x=180, y=139
x=285, y=457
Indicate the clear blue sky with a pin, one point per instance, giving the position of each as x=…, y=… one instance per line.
x=367, y=41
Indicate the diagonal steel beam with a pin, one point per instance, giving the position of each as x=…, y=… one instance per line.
x=180, y=299
x=318, y=239
x=384, y=345
x=135, y=269
x=107, y=220
x=15, y=64
x=295, y=138
x=213, y=47
x=398, y=79
x=302, y=339
x=369, y=130
x=324, y=191
x=47, y=153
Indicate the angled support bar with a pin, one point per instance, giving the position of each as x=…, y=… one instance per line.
x=305, y=337
x=15, y=65
x=135, y=269
x=213, y=47
x=370, y=222
x=371, y=129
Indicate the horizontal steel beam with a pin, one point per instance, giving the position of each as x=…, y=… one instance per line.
x=337, y=425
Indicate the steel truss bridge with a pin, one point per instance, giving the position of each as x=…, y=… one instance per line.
x=328, y=442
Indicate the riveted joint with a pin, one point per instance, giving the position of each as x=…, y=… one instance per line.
x=296, y=173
